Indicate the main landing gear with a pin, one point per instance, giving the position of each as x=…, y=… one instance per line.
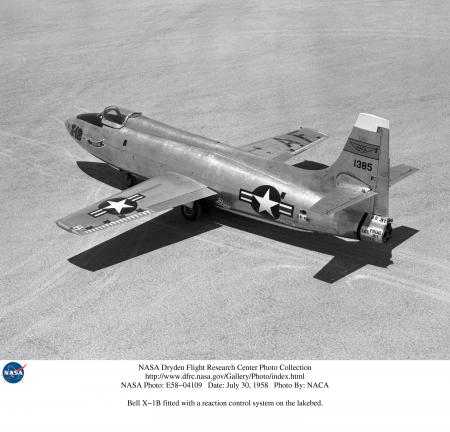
x=191, y=211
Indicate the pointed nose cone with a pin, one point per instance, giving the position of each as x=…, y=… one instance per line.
x=69, y=122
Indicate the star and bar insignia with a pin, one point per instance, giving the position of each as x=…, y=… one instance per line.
x=117, y=206
x=266, y=200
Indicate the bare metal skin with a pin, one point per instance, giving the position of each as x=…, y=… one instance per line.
x=349, y=198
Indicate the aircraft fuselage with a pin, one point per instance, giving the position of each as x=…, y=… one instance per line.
x=245, y=183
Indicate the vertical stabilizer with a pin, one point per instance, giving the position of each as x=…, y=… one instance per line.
x=364, y=162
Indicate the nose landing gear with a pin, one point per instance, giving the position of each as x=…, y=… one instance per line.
x=129, y=179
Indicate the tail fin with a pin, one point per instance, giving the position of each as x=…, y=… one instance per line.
x=364, y=162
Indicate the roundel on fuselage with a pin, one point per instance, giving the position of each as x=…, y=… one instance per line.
x=266, y=200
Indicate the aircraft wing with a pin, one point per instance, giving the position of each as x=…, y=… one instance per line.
x=151, y=196
x=284, y=147
x=339, y=199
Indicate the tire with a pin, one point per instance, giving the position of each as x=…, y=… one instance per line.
x=191, y=214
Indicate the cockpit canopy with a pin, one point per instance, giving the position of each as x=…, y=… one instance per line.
x=111, y=116
x=115, y=117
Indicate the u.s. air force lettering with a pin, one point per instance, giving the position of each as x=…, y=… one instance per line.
x=266, y=200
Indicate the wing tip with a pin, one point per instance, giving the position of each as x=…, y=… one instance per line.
x=66, y=227
x=400, y=172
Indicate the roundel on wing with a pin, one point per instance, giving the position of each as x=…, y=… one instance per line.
x=266, y=201
x=118, y=206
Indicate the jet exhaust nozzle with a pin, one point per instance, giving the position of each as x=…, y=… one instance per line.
x=375, y=229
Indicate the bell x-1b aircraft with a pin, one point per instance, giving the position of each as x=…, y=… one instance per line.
x=350, y=198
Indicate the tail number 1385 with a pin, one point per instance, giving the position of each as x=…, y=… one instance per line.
x=362, y=165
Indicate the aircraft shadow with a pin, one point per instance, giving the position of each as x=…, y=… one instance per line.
x=167, y=229
x=105, y=173
x=171, y=228
x=348, y=256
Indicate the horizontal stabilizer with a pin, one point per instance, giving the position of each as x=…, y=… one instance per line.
x=339, y=199
x=399, y=172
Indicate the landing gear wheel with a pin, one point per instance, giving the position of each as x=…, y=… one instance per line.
x=129, y=179
x=191, y=213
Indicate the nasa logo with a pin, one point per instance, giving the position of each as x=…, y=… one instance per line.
x=359, y=147
x=13, y=372
x=364, y=149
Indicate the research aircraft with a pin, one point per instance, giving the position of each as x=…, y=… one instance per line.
x=263, y=180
